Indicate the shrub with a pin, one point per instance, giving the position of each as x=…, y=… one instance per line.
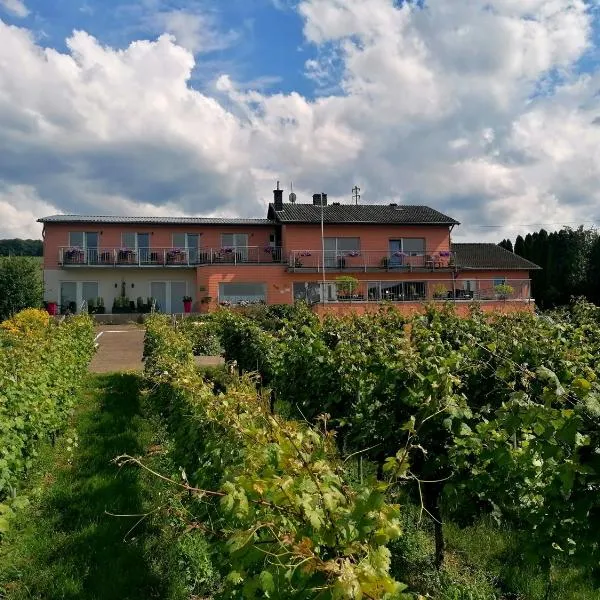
x=271, y=493
x=42, y=367
x=21, y=285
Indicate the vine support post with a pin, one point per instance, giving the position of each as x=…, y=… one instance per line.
x=431, y=499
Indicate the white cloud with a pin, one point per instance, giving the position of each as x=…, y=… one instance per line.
x=439, y=106
x=196, y=31
x=15, y=7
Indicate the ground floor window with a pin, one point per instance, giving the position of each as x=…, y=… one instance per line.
x=74, y=293
x=312, y=291
x=242, y=293
x=397, y=291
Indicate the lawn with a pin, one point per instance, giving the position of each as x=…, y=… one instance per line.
x=67, y=544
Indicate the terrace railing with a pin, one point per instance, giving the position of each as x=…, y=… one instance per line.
x=172, y=257
x=413, y=291
x=369, y=260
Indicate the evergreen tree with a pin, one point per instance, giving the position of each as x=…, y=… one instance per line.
x=507, y=244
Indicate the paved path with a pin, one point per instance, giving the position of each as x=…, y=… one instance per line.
x=120, y=348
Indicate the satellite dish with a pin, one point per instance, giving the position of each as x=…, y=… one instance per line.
x=292, y=197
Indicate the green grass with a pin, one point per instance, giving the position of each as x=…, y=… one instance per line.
x=65, y=545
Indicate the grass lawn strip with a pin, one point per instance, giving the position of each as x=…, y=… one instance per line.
x=65, y=545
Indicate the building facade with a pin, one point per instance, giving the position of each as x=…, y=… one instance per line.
x=332, y=255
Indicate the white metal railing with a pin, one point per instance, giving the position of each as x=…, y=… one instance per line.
x=353, y=290
x=364, y=260
x=184, y=257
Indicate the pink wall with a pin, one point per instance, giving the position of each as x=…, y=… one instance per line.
x=161, y=236
x=280, y=282
x=372, y=237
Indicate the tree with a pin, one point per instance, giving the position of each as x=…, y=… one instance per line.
x=506, y=244
x=18, y=247
x=21, y=285
x=520, y=246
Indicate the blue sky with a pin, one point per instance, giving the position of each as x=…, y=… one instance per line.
x=488, y=112
x=267, y=44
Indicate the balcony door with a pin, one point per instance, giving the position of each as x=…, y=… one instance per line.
x=139, y=243
x=190, y=242
x=239, y=243
x=168, y=295
x=86, y=241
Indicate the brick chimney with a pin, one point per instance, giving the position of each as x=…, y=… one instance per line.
x=278, y=198
x=320, y=198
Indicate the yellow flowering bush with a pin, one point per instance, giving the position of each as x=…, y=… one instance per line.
x=27, y=321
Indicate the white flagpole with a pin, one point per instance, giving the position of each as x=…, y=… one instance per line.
x=323, y=248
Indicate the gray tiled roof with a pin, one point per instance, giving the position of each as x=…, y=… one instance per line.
x=362, y=213
x=489, y=256
x=152, y=220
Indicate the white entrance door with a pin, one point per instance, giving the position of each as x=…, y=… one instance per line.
x=168, y=295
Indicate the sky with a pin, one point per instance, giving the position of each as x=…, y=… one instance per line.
x=487, y=111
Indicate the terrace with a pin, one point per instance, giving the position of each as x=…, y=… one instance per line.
x=352, y=290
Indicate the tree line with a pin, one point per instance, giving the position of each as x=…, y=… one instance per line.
x=19, y=247
x=569, y=261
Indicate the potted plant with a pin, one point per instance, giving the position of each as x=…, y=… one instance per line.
x=175, y=255
x=187, y=304
x=74, y=255
x=346, y=286
x=503, y=291
x=100, y=309
x=122, y=304
x=440, y=291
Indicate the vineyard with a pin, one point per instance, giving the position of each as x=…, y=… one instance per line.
x=360, y=457
x=464, y=419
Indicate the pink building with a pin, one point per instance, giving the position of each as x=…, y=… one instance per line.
x=396, y=253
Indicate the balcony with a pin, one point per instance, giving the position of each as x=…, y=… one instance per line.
x=167, y=257
x=370, y=261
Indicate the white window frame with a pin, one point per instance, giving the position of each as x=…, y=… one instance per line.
x=168, y=308
x=78, y=291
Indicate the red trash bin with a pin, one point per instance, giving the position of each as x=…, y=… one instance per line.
x=52, y=308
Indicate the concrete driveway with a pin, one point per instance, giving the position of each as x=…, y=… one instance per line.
x=120, y=348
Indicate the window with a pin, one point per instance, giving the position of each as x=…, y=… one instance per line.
x=73, y=293
x=311, y=291
x=499, y=281
x=413, y=246
x=396, y=291
x=186, y=240
x=336, y=248
x=133, y=240
x=83, y=239
x=341, y=245
x=238, y=240
x=235, y=293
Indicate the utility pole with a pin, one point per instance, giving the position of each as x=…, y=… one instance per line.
x=355, y=194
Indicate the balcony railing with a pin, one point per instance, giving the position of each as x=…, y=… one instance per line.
x=411, y=291
x=176, y=257
x=369, y=260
